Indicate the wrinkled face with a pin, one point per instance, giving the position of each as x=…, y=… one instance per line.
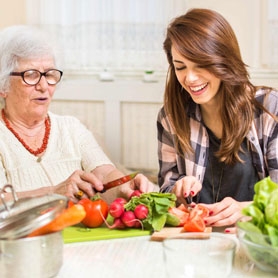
x=197, y=81
x=26, y=100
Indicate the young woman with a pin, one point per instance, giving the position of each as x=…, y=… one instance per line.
x=217, y=132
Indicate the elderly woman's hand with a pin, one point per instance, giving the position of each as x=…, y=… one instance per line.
x=80, y=181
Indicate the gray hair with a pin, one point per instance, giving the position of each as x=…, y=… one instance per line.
x=21, y=42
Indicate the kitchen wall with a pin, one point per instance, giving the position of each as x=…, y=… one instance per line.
x=12, y=12
x=122, y=113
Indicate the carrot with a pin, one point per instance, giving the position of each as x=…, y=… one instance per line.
x=70, y=216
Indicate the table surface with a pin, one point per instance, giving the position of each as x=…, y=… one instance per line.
x=133, y=257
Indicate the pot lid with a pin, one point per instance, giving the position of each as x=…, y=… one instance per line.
x=23, y=216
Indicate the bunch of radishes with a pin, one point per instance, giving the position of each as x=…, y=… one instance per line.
x=145, y=210
x=127, y=218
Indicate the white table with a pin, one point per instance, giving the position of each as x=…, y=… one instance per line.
x=132, y=257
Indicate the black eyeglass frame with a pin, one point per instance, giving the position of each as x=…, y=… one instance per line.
x=14, y=73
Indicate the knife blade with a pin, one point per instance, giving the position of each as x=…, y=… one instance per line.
x=78, y=195
x=119, y=181
x=188, y=199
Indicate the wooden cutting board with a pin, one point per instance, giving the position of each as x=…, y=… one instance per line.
x=79, y=233
x=173, y=231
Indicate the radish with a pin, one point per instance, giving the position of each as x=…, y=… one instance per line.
x=138, y=224
x=128, y=218
x=141, y=212
x=116, y=209
x=135, y=193
x=120, y=200
x=117, y=224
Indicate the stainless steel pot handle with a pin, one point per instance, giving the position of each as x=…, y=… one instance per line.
x=2, y=195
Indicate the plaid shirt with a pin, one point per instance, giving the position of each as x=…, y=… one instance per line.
x=263, y=138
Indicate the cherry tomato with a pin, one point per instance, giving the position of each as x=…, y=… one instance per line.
x=96, y=211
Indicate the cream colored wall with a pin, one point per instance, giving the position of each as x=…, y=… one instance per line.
x=12, y=12
x=245, y=18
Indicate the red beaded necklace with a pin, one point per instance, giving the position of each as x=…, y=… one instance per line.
x=45, y=138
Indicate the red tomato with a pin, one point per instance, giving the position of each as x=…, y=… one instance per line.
x=96, y=211
x=195, y=224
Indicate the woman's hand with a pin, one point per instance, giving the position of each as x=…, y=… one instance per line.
x=80, y=180
x=225, y=213
x=140, y=182
x=186, y=187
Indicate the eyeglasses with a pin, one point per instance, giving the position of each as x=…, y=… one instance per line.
x=32, y=77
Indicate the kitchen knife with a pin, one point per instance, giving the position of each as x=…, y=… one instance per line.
x=110, y=184
x=119, y=181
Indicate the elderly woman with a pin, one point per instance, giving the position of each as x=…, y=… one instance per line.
x=41, y=152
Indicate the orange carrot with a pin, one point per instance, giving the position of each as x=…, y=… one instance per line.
x=70, y=216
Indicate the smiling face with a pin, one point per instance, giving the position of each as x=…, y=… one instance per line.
x=26, y=101
x=197, y=81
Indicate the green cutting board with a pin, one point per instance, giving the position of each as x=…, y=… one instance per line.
x=79, y=233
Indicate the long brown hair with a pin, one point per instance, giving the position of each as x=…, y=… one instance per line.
x=205, y=37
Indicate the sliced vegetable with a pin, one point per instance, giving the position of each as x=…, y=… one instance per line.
x=199, y=210
x=180, y=214
x=195, y=221
x=195, y=224
x=172, y=220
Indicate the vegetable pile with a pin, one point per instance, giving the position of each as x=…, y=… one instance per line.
x=263, y=211
x=148, y=211
x=153, y=211
x=264, y=221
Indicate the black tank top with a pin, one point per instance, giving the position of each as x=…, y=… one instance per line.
x=236, y=181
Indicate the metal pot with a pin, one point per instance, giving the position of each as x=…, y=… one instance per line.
x=38, y=257
x=22, y=256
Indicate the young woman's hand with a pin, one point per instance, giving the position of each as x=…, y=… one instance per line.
x=225, y=213
x=187, y=186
